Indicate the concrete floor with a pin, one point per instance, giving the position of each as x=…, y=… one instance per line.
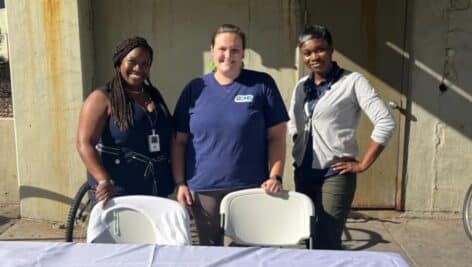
x=422, y=242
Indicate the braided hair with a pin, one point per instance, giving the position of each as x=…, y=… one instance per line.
x=121, y=104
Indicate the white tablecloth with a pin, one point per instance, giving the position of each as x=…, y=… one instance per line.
x=13, y=253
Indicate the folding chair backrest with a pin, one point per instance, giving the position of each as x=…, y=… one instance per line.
x=125, y=225
x=253, y=217
x=139, y=219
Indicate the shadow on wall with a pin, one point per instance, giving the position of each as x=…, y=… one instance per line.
x=376, y=41
x=381, y=40
x=36, y=192
x=180, y=32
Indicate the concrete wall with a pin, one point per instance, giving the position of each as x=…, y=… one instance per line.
x=180, y=32
x=439, y=142
x=8, y=178
x=437, y=133
x=3, y=35
x=47, y=82
x=59, y=50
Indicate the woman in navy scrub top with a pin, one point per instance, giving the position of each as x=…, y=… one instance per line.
x=230, y=134
x=127, y=115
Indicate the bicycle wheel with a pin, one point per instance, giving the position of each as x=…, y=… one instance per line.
x=79, y=213
x=467, y=212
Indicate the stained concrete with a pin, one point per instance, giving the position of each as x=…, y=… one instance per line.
x=59, y=49
x=9, y=192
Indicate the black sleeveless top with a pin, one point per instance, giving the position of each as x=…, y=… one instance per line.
x=129, y=175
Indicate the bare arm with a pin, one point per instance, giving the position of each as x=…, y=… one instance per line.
x=179, y=143
x=276, y=149
x=372, y=153
x=92, y=120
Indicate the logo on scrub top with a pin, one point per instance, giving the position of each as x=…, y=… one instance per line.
x=243, y=98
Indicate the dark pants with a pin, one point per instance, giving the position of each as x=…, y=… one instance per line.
x=332, y=199
x=206, y=212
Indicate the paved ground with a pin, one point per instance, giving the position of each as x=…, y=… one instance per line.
x=422, y=242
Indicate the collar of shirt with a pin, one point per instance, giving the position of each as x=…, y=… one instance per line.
x=330, y=78
x=313, y=91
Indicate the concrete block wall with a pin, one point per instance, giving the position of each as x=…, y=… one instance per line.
x=439, y=168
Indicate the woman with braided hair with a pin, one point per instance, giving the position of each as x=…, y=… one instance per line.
x=125, y=118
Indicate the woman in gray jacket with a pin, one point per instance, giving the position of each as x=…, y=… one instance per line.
x=324, y=114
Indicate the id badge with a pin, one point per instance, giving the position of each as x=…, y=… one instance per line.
x=153, y=140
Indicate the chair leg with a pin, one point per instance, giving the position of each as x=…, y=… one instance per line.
x=309, y=243
x=222, y=229
x=347, y=234
x=312, y=240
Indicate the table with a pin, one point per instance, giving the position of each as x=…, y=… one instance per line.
x=14, y=253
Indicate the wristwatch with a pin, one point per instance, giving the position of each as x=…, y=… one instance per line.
x=106, y=181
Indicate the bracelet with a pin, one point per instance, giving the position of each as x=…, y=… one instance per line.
x=106, y=181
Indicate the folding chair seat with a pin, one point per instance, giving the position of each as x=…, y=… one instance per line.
x=139, y=219
x=254, y=217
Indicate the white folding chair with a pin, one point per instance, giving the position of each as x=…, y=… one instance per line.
x=254, y=217
x=139, y=219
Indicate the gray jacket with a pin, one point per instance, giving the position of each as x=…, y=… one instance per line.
x=335, y=119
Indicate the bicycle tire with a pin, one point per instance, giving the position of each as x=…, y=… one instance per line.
x=78, y=215
x=467, y=212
